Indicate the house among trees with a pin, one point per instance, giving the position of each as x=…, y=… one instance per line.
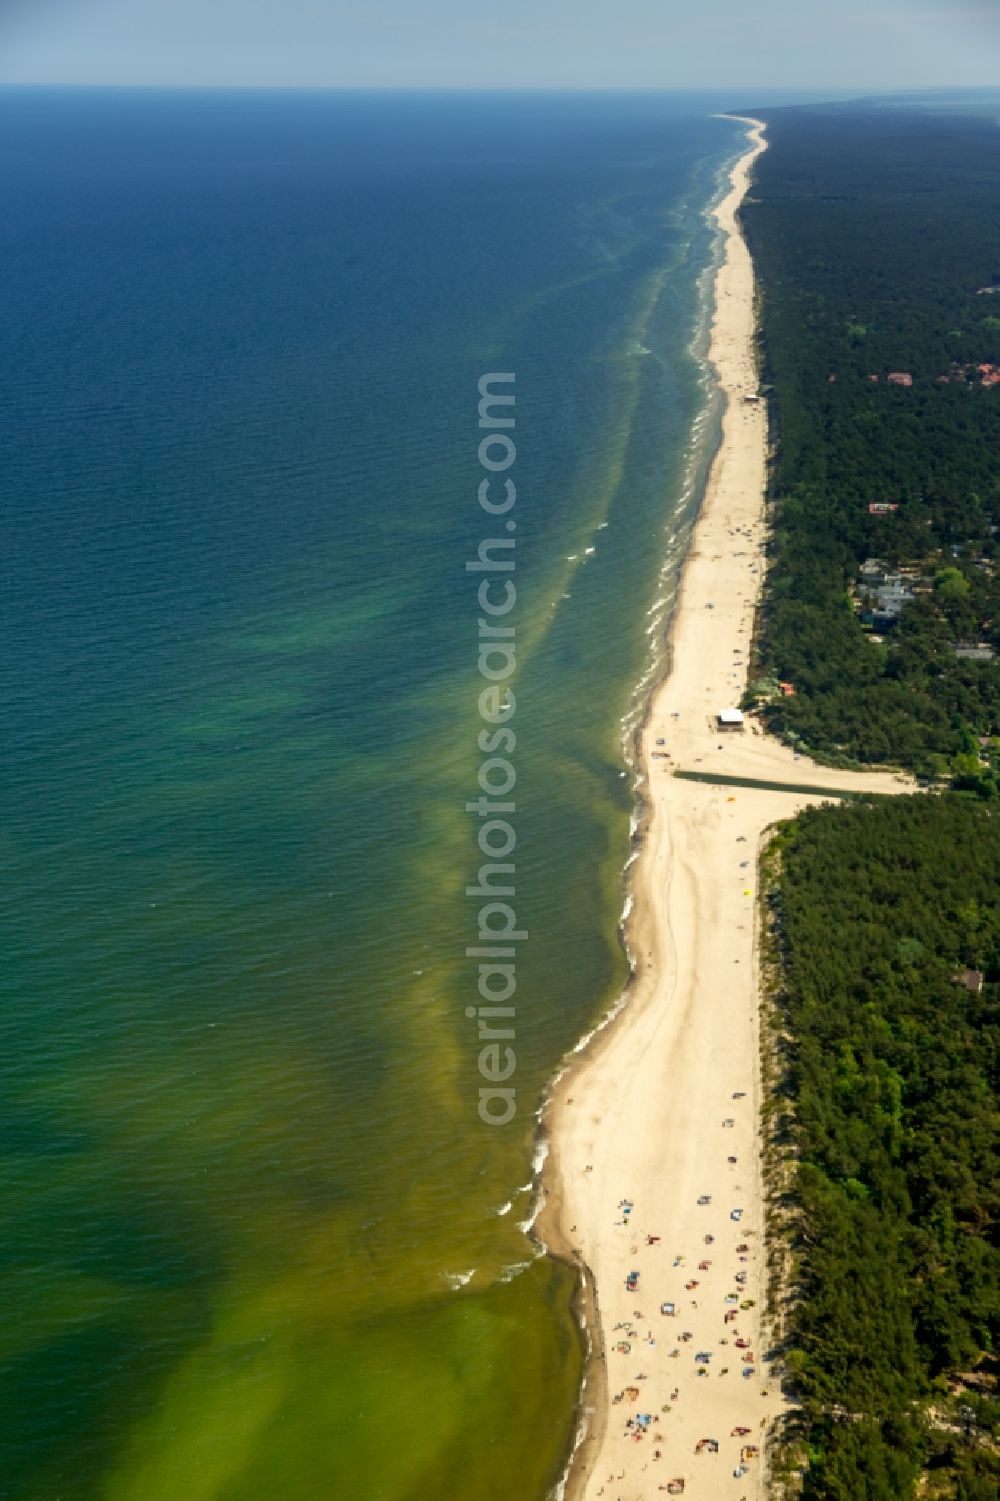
x=970, y=979
x=900, y=378
x=883, y=594
x=983, y=373
x=974, y=651
x=890, y=599
x=882, y=507
x=874, y=571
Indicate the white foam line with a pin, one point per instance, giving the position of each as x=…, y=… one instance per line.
x=675, y=548
x=456, y=1280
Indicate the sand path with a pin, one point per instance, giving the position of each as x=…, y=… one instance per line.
x=663, y=1109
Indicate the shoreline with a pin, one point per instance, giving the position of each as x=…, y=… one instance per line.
x=658, y=1110
x=551, y=1226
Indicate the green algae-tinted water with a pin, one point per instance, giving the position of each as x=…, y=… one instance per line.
x=257, y=1242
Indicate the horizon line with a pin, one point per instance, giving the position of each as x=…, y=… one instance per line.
x=500, y=88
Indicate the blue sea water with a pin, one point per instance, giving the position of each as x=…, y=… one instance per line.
x=257, y=1241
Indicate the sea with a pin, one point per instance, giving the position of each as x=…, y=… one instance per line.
x=258, y=1241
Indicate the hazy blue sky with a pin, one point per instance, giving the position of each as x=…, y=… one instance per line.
x=864, y=44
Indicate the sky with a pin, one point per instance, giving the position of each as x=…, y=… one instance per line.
x=871, y=45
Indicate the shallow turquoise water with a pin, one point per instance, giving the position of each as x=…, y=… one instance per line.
x=243, y=1174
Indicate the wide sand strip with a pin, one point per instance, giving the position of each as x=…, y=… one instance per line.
x=655, y=1162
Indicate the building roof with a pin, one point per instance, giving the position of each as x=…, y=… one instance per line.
x=730, y=716
x=976, y=651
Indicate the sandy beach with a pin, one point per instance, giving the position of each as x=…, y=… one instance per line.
x=655, y=1147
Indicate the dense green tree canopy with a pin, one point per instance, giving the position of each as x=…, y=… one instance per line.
x=889, y=1079
x=874, y=232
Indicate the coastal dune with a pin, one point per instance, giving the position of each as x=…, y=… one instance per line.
x=655, y=1138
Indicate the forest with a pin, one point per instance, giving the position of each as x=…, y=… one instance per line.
x=876, y=236
x=883, y=1108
